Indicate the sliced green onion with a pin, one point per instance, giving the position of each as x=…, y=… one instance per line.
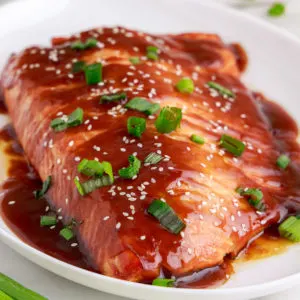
x=112, y=97
x=290, y=229
x=232, y=145
x=221, y=89
x=136, y=126
x=89, y=43
x=4, y=296
x=38, y=194
x=166, y=216
x=185, y=85
x=132, y=170
x=152, y=52
x=168, y=120
x=283, y=161
x=142, y=105
x=107, y=167
x=277, y=9
x=90, y=167
x=75, y=118
x=163, y=282
x=87, y=187
x=67, y=233
x=17, y=291
x=134, y=60
x=78, y=66
x=48, y=220
x=197, y=139
x=153, y=158
x=255, y=197
x=93, y=73
x=58, y=124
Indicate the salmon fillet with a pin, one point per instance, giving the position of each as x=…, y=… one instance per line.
x=198, y=181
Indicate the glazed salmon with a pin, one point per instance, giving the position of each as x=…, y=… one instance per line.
x=199, y=182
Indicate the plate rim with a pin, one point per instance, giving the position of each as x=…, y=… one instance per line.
x=253, y=290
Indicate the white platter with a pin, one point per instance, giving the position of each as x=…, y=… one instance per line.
x=273, y=69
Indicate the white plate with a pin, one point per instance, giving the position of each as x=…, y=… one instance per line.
x=274, y=67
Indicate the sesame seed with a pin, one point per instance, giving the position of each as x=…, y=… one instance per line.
x=142, y=238
x=71, y=143
x=11, y=202
x=123, y=149
x=106, y=218
x=74, y=245
x=118, y=225
x=77, y=158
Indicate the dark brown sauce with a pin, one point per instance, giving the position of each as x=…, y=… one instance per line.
x=125, y=245
x=23, y=217
x=3, y=109
x=241, y=56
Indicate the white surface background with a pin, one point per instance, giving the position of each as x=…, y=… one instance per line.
x=57, y=288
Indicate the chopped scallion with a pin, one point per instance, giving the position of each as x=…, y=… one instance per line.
x=290, y=229
x=38, y=194
x=163, y=282
x=112, y=97
x=134, y=60
x=152, y=52
x=93, y=73
x=283, y=161
x=87, y=187
x=89, y=43
x=166, y=216
x=67, y=233
x=185, y=85
x=132, y=170
x=142, y=105
x=78, y=66
x=48, y=220
x=153, y=158
x=277, y=9
x=136, y=126
x=90, y=167
x=221, y=89
x=75, y=118
x=255, y=197
x=232, y=145
x=107, y=167
x=197, y=139
x=168, y=120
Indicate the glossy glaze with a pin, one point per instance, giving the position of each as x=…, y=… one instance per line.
x=199, y=182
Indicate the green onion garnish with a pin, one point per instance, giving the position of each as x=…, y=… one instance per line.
x=4, y=296
x=255, y=197
x=58, y=124
x=90, y=167
x=152, y=52
x=107, y=167
x=197, y=139
x=74, y=119
x=38, y=194
x=67, y=233
x=93, y=73
x=142, y=105
x=134, y=60
x=232, y=145
x=17, y=291
x=112, y=97
x=290, y=229
x=163, y=282
x=48, y=220
x=136, y=126
x=89, y=43
x=132, y=170
x=185, y=85
x=153, y=158
x=276, y=10
x=168, y=119
x=283, y=161
x=221, y=89
x=166, y=216
x=78, y=66
x=87, y=187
